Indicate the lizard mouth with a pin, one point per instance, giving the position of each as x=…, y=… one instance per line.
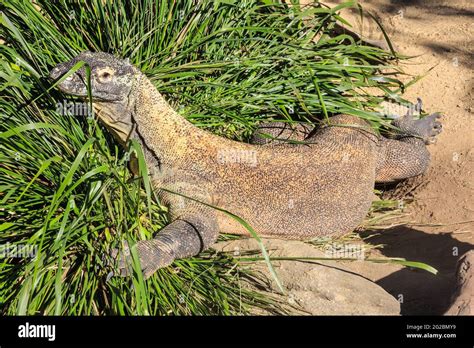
x=121, y=130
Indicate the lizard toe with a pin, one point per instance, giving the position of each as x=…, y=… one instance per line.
x=419, y=104
x=437, y=128
x=431, y=141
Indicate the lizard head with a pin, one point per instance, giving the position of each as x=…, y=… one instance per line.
x=111, y=78
x=111, y=83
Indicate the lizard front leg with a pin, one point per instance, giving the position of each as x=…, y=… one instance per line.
x=186, y=236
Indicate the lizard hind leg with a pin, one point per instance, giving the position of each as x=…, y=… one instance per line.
x=398, y=160
x=406, y=155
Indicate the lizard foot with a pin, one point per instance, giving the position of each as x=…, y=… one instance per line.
x=429, y=127
x=148, y=256
x=426, y=128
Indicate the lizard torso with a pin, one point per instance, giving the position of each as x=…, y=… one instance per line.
x=323, y=187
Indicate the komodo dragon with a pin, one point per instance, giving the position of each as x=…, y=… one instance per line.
x=283, y=190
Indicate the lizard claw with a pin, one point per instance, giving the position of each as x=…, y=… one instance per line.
x=418, y=105
x=414, y=108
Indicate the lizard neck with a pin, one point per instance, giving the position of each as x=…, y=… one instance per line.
x=159, y=128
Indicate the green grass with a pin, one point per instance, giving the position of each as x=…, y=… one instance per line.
x=65, y=187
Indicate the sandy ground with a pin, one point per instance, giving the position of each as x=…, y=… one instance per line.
x=440, y=33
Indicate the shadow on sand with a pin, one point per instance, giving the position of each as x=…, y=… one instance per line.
x=422, y=293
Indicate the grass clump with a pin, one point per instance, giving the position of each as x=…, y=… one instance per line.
x=65, y=188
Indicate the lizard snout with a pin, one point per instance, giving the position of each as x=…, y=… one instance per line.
x=72, y=84
x=56, y=72
x=60, y=69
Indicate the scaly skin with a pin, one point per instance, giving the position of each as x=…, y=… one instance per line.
x=283, y=190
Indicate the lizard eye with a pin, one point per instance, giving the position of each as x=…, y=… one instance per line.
x=104, y=77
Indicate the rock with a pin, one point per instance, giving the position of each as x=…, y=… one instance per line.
x=462, y=301
x=318, y=287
